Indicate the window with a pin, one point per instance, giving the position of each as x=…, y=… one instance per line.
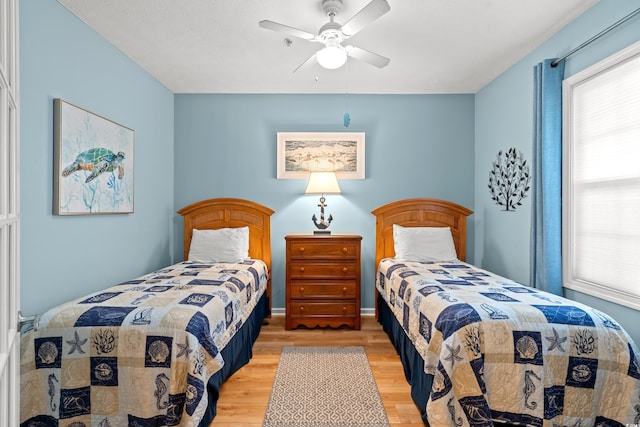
x=601, y=179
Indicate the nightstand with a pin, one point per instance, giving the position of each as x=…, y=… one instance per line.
x=322, y=280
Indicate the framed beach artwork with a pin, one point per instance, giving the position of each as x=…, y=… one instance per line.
x=93, y=163
x=302, y=152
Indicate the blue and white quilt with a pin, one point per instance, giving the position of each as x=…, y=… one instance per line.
x=501, y=351
x=139, y=353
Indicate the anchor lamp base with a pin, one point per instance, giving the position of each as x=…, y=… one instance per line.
x=322, y=225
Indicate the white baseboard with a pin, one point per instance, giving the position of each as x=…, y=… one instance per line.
x=280, y=311
x=367, y=312
x=277, y=311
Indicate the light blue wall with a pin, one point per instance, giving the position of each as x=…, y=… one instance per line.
x=504, y=115
x=416, y=146
x=65, y=257
x=224, y=146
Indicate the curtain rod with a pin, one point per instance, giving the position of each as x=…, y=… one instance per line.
x=596, y=37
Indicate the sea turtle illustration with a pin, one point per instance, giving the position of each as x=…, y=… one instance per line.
x=96, y=161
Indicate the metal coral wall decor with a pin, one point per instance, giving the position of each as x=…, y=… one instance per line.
x=509, y=179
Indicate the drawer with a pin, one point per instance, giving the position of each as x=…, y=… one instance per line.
x=301, y=270
x=323, y=289
x=323, y=309
x=319, y=249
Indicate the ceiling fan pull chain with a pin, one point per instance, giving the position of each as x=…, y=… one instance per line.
x=346, y=119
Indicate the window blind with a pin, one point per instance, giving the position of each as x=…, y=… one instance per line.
x=601, y=201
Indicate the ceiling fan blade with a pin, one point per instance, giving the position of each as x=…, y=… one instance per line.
x=305, y=62
x=270, y=25
x=367, y=56
x=367, y=15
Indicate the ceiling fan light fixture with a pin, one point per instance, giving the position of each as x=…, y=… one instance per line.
x=332, y=57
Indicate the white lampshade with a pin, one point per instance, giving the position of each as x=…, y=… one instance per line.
x=322, y=183
x=332, y=57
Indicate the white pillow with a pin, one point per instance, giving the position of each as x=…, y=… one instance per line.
x=423, y=244
x=221, y=245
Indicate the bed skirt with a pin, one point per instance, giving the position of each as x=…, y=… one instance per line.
x=236, y=354
x=412, y=362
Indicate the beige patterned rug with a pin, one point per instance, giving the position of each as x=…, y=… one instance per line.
x=324, y=387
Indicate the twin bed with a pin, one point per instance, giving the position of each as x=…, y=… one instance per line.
x=477, y=349
x=155, y=350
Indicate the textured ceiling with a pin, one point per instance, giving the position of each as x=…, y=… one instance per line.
x=216, y=46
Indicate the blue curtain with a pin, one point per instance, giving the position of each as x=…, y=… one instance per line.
x=546, y=214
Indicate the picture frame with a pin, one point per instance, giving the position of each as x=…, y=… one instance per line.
x=93, y=163
x=302, y=152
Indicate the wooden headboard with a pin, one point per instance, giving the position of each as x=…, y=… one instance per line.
x=229, y=212
x=420, y=212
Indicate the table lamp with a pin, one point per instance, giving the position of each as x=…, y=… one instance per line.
x=322, y=183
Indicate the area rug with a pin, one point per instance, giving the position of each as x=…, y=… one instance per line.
x=324, y=387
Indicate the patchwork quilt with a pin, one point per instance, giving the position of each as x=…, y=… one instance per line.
x=501, y=351
x=139, y=353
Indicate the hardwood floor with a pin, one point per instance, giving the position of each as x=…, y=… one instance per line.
x=244, y=397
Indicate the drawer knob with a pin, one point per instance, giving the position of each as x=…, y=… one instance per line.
x=302, y=249
x=301, y=288
x=345, y=269
x=301, y=269
x=344, y=308
x=344, y=250
x=301, y=309
x=344, y=290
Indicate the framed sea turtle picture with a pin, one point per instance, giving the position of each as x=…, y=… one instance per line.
x=93, y=163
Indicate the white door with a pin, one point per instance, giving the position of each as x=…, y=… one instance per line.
x=9, y=216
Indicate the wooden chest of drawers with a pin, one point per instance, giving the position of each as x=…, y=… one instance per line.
x=323, y=280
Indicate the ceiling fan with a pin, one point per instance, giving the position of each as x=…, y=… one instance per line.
x=333, y=55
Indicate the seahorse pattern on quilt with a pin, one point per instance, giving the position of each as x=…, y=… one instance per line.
x=139, y=353
x=501, y=351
